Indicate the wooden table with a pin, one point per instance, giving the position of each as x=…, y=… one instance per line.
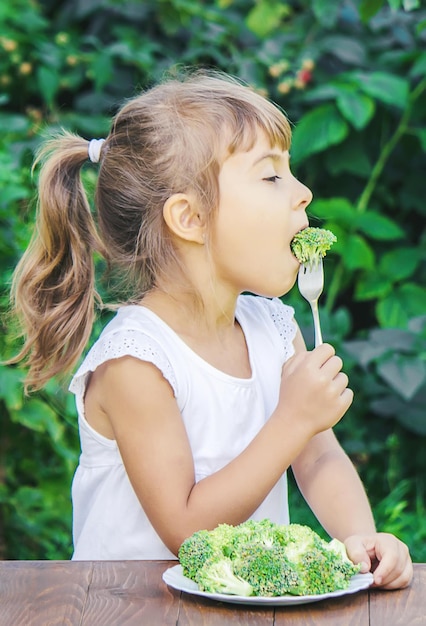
x=118, y=593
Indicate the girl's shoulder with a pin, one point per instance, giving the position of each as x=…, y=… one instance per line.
x=133, y=331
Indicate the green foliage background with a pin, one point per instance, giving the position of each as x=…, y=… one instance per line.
x=351, y=76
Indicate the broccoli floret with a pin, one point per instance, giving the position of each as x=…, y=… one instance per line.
x=323, y=571
x=223, y=537
x=267, y=570
x=316, y=573
x=203, y=545
x=253, y=531
x=311, y=244
x=345, y=569
x=321, y=566
x=217, y=576
x=339, y=548
x=195, y=551
x=298, y=539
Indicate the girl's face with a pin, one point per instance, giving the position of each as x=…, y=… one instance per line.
x=261, y=207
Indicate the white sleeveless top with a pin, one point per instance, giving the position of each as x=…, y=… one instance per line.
x=221, y=413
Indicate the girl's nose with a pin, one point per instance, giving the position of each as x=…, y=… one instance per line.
x=303, y=195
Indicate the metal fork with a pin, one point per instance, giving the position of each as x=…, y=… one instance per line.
x=311, y=283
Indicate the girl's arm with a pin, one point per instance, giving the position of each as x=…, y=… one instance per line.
x=147, y=425
x=334, y=492
x=332, y=488
x=330, y=484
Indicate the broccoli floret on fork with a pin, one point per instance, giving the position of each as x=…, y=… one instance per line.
x=311, y=244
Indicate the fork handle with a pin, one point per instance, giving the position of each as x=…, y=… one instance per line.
x=317, y=326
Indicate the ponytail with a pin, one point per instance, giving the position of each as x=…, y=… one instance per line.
x=53, y=288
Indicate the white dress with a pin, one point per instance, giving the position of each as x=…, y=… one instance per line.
x=221, y=413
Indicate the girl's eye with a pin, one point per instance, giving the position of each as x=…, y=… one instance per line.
x=273, y=179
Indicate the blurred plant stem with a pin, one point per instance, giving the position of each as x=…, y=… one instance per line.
x=364, y=199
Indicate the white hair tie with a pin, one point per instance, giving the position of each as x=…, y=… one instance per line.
x=95, y=146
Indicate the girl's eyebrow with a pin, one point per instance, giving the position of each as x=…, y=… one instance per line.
x=274, y=156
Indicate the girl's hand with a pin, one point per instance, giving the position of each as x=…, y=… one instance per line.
x=385, y=556
x=314, y=388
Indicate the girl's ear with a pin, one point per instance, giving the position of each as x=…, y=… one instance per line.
x=181, y=216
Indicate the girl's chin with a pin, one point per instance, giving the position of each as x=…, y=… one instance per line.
x=285, y=287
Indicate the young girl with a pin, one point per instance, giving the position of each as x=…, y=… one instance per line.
x=195, y=399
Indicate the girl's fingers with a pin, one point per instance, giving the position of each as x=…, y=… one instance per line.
x=332, y=366
x=395, y=569
x=341, y=381
x=385, y=555
x=357, y=552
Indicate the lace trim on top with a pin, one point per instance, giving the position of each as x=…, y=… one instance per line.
x=283, y=317
x=126, y=342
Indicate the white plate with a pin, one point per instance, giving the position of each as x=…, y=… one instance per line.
x=174, y=578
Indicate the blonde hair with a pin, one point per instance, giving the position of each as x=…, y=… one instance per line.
x=171, y=138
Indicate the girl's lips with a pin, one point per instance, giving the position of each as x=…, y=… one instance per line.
x=303, y=228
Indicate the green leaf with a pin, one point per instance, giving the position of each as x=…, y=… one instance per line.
x=400, y=263
x=378, y=226
x=345, y=48
x=400, y=305
x=411, y=414
x=391, y=312
x=102, y=68
x=326, y=11
x=414, y=298
x=341, y=322
x=329, y=91
x=48, y=81
x=358, y=254
x=384, y=87
x=404, y=374
x=316, y=131
x=371, y=286
x=419, y=67
x=369, y=8
x=420, y=26
x=421, y=134
x=38, y=416
x=410, y=5
x=13, y=123
x=356, y=107
x=349, y=157
x=34, y=415
x=92, y=125
x=11, y=194
x=11, y=387
x=266, y=16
